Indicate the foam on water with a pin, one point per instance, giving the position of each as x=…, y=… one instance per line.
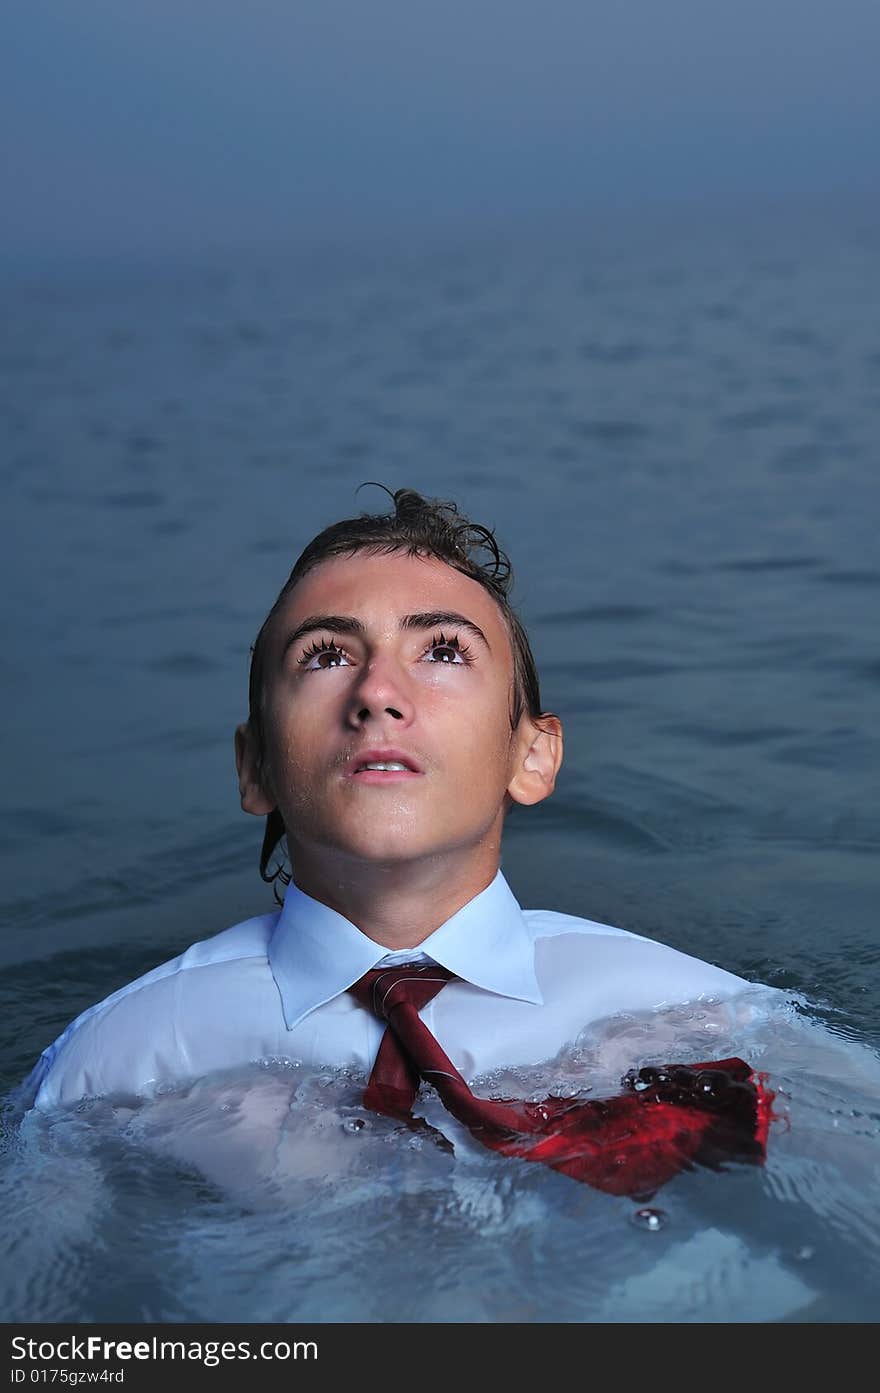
x=266, y=1194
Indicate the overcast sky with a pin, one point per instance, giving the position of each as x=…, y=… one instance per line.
x=173, y=123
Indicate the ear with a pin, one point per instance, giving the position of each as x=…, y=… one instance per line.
x=537, y=757
x=255, y=798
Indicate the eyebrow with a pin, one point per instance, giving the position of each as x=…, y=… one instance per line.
x=348, y=624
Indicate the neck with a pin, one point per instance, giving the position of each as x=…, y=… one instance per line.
x=396, y=905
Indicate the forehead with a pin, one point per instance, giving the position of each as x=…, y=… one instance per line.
x=380, y=590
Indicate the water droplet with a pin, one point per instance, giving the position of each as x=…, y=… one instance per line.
x=711, y=1082
x=804, y=1254
x=650, y=1219
x=354, y=1124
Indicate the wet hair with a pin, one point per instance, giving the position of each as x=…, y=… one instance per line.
x=416, y=527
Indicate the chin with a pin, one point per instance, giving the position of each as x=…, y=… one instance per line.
x=391, y=848
x=388, y=853
x=378, y=841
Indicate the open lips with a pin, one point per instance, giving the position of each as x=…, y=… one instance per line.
x=380, y=766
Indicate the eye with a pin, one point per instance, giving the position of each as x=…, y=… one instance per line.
x=310, y=658
x=453, y=653
x=456, y=653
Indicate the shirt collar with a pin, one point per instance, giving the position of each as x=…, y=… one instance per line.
x=315, y=953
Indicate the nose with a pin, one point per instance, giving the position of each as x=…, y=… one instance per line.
x=381, y=690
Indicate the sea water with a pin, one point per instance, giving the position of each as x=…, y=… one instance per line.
x=271, y=1193
x=673, y=429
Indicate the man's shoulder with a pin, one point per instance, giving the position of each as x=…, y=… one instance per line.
x=576, y=955
x=548, y=923
x=103, y=1027
x=247, y=939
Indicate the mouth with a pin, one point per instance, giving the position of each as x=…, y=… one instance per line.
x=383, y=766
x=383, y=776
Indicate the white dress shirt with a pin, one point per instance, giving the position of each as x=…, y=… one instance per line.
x=274, y=988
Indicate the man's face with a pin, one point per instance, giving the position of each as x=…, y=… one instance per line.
x=384, y=653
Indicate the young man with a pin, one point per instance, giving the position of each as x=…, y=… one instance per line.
x=395, y=720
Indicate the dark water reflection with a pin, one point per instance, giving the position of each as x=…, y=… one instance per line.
x=674, y=436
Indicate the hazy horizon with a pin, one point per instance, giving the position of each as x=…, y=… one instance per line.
x=177, y=126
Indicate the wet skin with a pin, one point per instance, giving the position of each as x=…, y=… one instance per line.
x=358, y=660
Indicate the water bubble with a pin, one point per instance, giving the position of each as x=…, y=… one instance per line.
x=278, y=1061
x=805, y=1253
x=354, y=1124
x=711, y=1082
x=562, y=1089
x=650, y=1219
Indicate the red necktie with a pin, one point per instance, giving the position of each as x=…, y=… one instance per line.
x=668, y=1118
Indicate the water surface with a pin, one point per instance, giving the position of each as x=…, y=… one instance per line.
x=674, y=433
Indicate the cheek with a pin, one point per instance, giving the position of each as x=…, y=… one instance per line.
x=288, y=746
x=484, y=751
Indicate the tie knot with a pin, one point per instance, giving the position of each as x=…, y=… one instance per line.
x=414, y=984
